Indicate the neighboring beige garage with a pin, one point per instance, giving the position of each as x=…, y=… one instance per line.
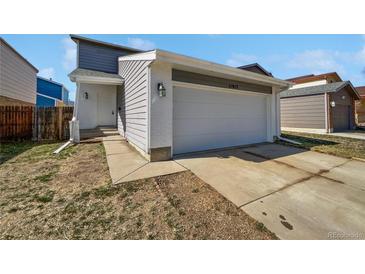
x=205, y=119
x=319, y=104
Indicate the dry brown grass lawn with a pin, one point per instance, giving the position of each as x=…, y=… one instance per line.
x=330, y=144
x=69, y=196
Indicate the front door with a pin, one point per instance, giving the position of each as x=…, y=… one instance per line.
x=107, y=108
x=341, y=118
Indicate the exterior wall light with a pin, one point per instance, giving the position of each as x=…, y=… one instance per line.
x=161, y=90
x=333, y=104
x=86, y=95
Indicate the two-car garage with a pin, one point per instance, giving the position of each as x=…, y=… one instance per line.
x=189, y=105
x=207, y=118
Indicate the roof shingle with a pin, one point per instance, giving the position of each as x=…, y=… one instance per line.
x=93, y=73
x=320, y=89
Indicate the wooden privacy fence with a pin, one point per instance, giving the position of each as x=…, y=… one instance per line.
x=36, y=123
x=360, y=111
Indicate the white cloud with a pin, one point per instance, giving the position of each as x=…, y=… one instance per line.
x=69, y=56
x=47, y=73
x=141, y=44
x=360, y=55
x=317, y=61
x=240, y=59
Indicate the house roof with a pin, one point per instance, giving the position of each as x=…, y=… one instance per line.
x=256, y=65
x=50, y=80
x=53, y=82
x=320, y=89
x=105, y=44
x=17, y=53
x=361, y=91
x=312, y=77
x=201, y=66
x=93, y=76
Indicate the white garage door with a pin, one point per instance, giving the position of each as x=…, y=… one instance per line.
x=206, y=119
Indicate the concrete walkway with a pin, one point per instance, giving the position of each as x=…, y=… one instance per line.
x=356, y=134
x=126, y=164
x=297, y=194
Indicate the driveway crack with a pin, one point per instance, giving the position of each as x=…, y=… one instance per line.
x=280, y=189
x=319, y=174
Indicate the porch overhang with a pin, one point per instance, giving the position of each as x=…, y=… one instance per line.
x=87, y=76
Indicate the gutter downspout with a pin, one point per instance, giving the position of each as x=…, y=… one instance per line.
x=74, y=124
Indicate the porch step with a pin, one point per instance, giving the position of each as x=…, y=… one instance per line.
x=98, y=132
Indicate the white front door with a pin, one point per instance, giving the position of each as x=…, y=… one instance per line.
x=107, y=105
x=205, y=119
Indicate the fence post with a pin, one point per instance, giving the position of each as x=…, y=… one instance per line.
x=34, y=123
x=39, y=135
x=60, y=120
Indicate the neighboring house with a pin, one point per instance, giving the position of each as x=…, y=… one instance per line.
x=360, y=106
x=319, y=104
x=165, y=103
x=17, y=77
x=257, y=68
x=51, y=93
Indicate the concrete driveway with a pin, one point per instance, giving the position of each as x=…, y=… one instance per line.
x=297, y=194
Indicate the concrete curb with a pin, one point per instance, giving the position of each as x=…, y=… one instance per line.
x=358, y=159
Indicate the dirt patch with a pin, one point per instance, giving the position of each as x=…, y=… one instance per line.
x=70, y=196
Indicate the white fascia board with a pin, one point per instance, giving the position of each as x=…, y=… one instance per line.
x=97, y=80
x=144, y=56
x=183, y=60
x=174, y=58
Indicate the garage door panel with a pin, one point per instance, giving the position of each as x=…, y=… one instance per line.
x=183, y=144
x=206, y=119
x=217, y=110
x=216, y=125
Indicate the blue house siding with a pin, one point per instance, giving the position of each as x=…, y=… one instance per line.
x=48, y=88
x=45, y=102
x=98, y=57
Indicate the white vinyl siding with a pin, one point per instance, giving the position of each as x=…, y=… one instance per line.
x=205, y=119
x=98, y=108
x=17, y=78
x=133, y=102
x=303, y=112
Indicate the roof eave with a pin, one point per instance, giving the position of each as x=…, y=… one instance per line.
x=224, y=69
x=51, y=81
x=174, y=58
x=96, y=80
x=17, y=53
x=258, y=66
x=76, y=38
x=358, y=97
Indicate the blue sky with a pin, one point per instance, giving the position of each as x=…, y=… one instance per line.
x=284, y=55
